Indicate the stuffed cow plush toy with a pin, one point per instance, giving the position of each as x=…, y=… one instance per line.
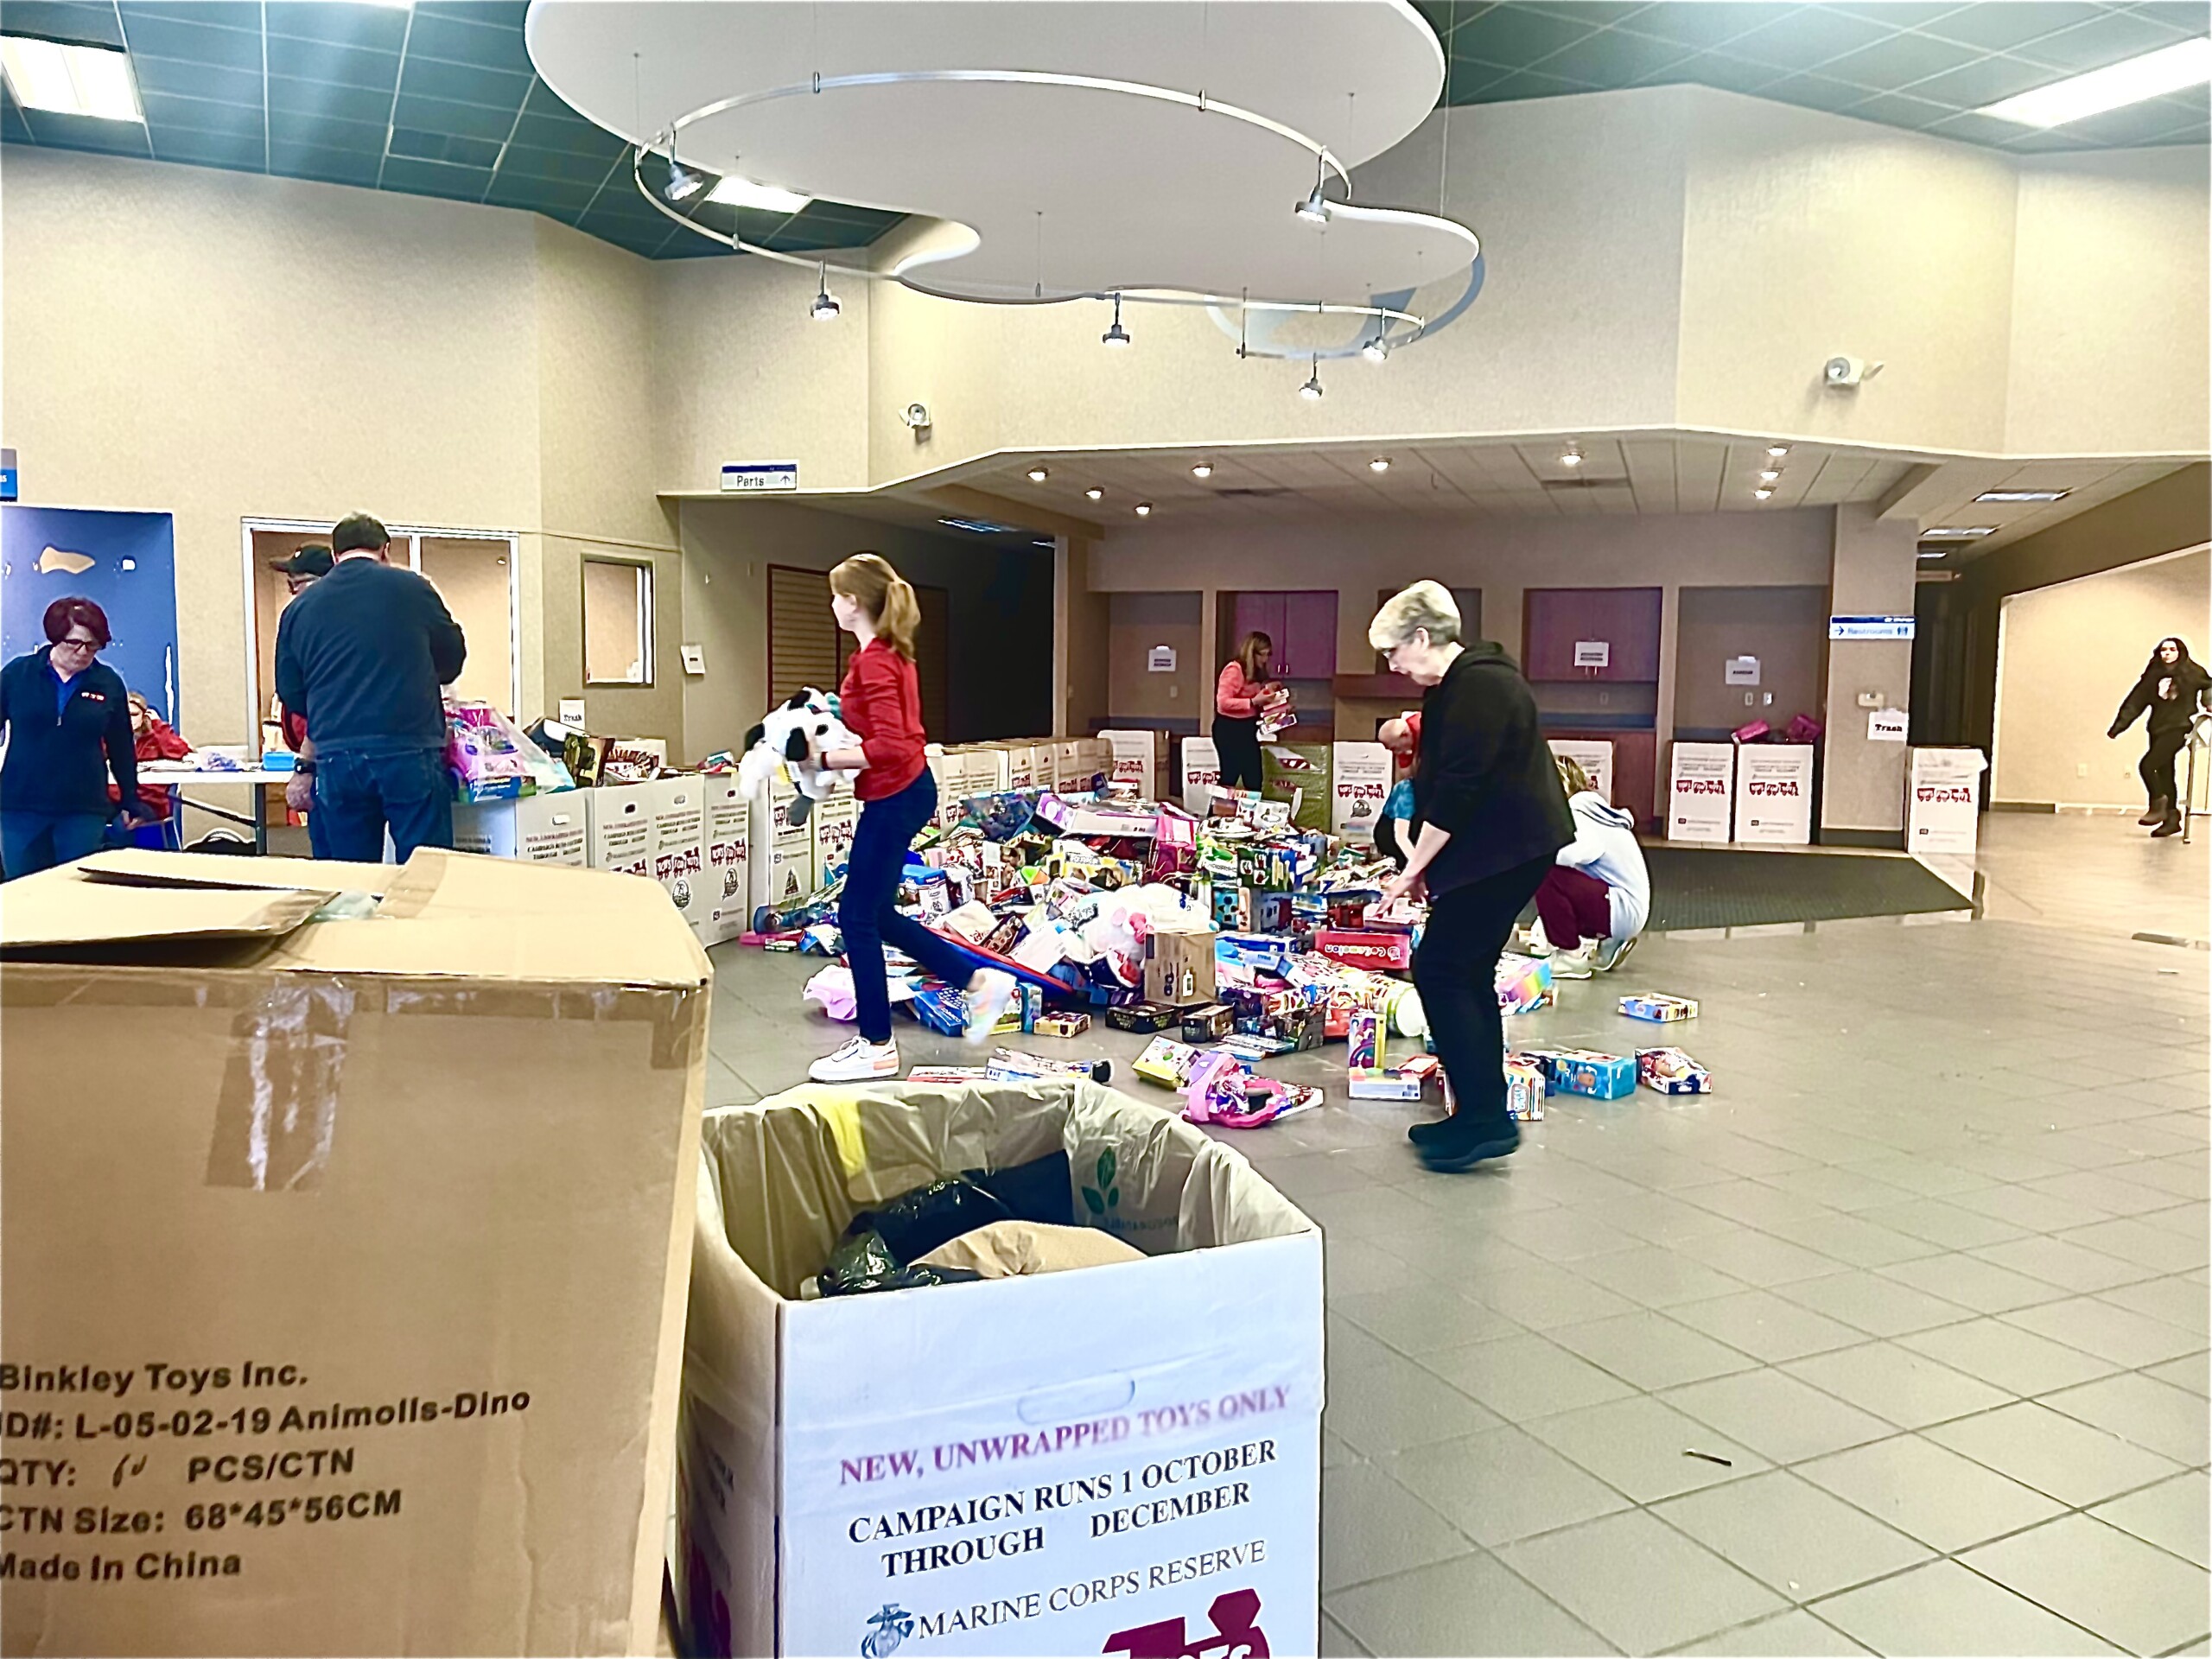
x=797, y=734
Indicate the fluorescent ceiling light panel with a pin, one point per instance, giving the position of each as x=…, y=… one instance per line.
x=1957, y=532
x=70, y=80
x=1936, y=553
x=2023, y=495
x=2170, y=69
x=733, y=192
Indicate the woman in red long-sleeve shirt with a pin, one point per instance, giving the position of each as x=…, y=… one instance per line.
x=881, y=700
x=1240, y=695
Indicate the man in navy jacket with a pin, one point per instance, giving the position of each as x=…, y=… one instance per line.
x=361, y=656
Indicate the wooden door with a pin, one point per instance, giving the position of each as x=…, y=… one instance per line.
x=1306, y=650
x=1258, y=614
x=1556, y=619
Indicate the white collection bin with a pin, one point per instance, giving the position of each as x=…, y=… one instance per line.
x=1774, y=794
x=1702, y=790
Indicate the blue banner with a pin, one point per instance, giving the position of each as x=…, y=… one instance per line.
x=124, y=562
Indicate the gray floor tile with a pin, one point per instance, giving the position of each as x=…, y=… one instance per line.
x=1837, y=1187
x=1777, y=1417
x=1852, y=1239
x=2014, y=1359
x=1468, y=1605
x=1640, y=1445
x=2071, y=1267
x=1795, y=1632
x=1761, y=1324
x=1543, y=1296
x=1927, y=1176
x=1394, y=1403
x=2113, y=1191
x=1418, y=1319
x=1662, y=1219
x=1650, y=1350
x=2074, y=1462
x=2143, y=1242
x=1929, y=1493
x=1879, y=1306
x=1752, y=1203
x=2175, y=1514
x=1653, y=1275
x=1941, y=1222
x=2142, y=1411
x=2139, y=1598
x=1310, y=1175
x=1944, y=1608
x=2038, y=1212
x=2097, y=1327
x=1897, y=1384
x=1972, y=1283
x=1791, y=1535
x=1564, y=1234
x=2194, y=1219
x=2192, y=1371
x=1638, y=1583
x=1524, y=1377
x=1757, y=1258
x=1337, y=1645
x=1503, y=1485
x=1372, y=1527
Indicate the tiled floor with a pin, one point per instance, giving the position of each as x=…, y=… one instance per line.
x=1925, y=1280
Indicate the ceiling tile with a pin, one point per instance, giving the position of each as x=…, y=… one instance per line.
x=1899, y=14
x=1704, y=23
x=562, y=166
x=1903, y=110
x=345, y=65
x=86, y=132
x=1613, y=57
x=1998, y=25
x=1437, y=14
x=463, y=82
x=1720, y=70
x=161, y=36
x=429, y=179
x=214, y=14
x=1588, y=11
x=2139, y=124
x=1526, y=82
x=443, y=147
x=202, y=115
x=1973, y=84
x=320, y=98
x=381, y=28
x=1887, y=65
x=1807, y=38
x=557, y=197
x=1973, y=128
x=2034, y=142
x=192, y=79
x=494, y=14
x=2109, y=39
x=316, y=162
x=444, y=114
x=326, y=132
x=573, y=137
x=242, y=151
x=2190, y=16
x=1814, y=92
x=64, y=20
x=441, y=37
x=1513, y=37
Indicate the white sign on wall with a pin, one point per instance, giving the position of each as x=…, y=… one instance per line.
x=1594, y=653
x=1743, y=671
x=1698, y=797
x=1870, y=628
x=751, y=477
x=1888, y=725
x=1774, y=793
x=1161, y=659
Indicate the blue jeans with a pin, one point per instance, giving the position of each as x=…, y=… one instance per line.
x=31, y=841
x=358, y=795
x=867, y=914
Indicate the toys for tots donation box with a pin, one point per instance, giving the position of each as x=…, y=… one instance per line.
x=1119, y=1459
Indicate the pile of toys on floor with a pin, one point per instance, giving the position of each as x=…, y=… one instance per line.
x=1229, y=940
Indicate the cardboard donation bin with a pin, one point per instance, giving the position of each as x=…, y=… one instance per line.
x=782, y=852
x=835, y=821
x=1119, y=1458
x=1701, y=792
x=1774, y=793
x=619, y=825
x=1201, y=774
x=724, y=908
x=1178, y=966
x=1943, y=801
x=1594, y=754
x=357, y=1330
x=538, y=829
x=1139, y=761
x=1364, y=774
x=679, y=843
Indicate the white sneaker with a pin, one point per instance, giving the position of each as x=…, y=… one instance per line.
x=1535, y=944
x=1574, y=964
x=989, y=994
x=858, y=1061
x=1613, y=952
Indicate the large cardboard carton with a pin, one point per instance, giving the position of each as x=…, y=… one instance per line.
x=1121, y=1459
x=1943, y=801
x=1299, y=774
x=1701, y=792
x=619, y=829
x=990, y=769
x=357, y=1328
x=1359, y=785
x=835, y=821
x=725, y=908
x=538, y=829
x=1140, y=761
x=950, y=771
x=782, y=852
x=679, y=842
x=1774, y=793
x=1178, y=966
x=1594, y=755
x=1201, y=774
x=1028, y=765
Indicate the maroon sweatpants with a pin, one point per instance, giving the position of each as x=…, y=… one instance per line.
x=1572, y=907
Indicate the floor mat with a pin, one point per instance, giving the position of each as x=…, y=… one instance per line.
x=1708, y=888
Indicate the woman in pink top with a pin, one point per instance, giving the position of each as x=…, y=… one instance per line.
x=1239, y=695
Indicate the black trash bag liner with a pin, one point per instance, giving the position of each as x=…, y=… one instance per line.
x=1041, y=1191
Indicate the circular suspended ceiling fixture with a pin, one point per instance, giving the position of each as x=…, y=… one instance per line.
x=1160, y=151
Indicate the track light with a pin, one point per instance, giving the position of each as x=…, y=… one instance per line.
x=1769, y=475
x=1377, y=350
x=1095, y=494
x=1311, y=389
x=1380, y=464
x=1204, y=470
x=1777, y=451
x=1314, y=210
x=683, y=183
x=1117, y=336
x=825, y=307
x=1038, y=475
x=1144, y=509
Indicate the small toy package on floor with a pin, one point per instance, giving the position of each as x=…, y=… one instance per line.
x=1524, y=983
x=1657, y=1008
x=1672, y=1072
x=1585, y=1072
x=1524, y=1090
x=1166, y=1062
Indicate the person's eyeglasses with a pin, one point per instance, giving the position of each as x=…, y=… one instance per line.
x=87, y=646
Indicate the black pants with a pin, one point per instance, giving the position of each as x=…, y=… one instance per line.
x=1237, y=743
x=2158, y=765
x=1456, y=972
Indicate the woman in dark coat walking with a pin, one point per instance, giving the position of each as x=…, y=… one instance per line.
x=2171, y=690
x=67, y=717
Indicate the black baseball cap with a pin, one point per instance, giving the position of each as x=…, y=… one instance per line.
x=357, y=531
x=307, y=561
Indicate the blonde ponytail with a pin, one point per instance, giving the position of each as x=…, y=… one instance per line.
x=869, y=582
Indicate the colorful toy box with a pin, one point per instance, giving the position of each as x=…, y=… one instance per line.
x=1071, y=1024
x=1264, y=953
x=1166, y=1062
x=1585, y=1071
x=1661, y=1010
x=1524, y=1090
x=1208, y=1024
x=1672, y=1072
x=1142, y=1018
x=1377, y=952
x=1524, y=985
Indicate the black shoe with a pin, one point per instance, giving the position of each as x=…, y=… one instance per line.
x=1426, y=1135
x=1449, y=1158
x=2155, y=815
x=2169, y=826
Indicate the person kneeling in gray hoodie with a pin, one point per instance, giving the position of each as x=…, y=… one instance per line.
x=1596, y=896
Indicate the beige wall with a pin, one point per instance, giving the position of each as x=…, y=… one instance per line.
x=472, y=577
x=1137, y=622
x=2067, y=655
x=1862, y=782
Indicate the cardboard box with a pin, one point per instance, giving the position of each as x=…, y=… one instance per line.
x=1943, y=801
x=1165, y=1062
x=1200, y=774
x=1524, y=1090
x=725, y=909
x=835, y=821
x=1702, y=797
x=1524, y=983
x=1358, y=785
x=1658, y=1008
x=619, y=829
x=1594, y=754
x=679, y=841
x=1584, y=1071
x=1263, y=953
x=537, y=829
x=949, y=771
x=782, y=852
x=1774, y=793
x=1381, y=1082
x=1142, y=1018
x=1672, y=1072
x=1178, y=967
x=1208, y=1024
x=1139, y=760
x=1071, y=770
x=1377, y=952
x=1071, y=1024
x=1028, y=765
x=990, y=769
x=1301, y=776
x=1061, y=1390
x=405, y=1221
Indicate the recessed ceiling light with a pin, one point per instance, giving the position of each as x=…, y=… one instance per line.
x=91, y=80
x=1572, y=458
x=1761, y=495
x=1935, y=553
x=1957, y=532
x=2023, y=495
x=1038, y=475
x=1777, y=451
x=1144, y=509
x=1380, y=464
x=1768, y=475
x=1204, y=470
x=732, y=191
x=1095, y=494
x=2169, y=69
